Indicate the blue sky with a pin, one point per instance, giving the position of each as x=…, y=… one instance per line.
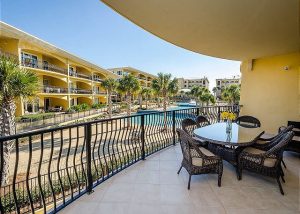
x=91, y=30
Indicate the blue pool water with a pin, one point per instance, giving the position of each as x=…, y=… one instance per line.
x=158, y=118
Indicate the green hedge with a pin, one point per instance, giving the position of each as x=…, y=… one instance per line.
x=35, y=117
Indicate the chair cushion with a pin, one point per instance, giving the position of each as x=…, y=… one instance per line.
x=196, y=161
x=269, y=162
x=261, y=142
x=267, y=136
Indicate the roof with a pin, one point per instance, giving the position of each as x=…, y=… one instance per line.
x=235, y=29
x=7, y=30
x=133, y=69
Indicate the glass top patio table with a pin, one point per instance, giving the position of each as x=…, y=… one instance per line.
x=237, y=136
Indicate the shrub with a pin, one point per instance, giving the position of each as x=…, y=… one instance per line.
x=98, y=105
x=80, y=107
x=35, y=117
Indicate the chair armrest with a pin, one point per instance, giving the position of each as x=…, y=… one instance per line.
x=267, y=137
x=195, y=146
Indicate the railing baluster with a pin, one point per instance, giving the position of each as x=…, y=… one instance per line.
x=1, y=176
x=15, y=176
x=88, y=134
x=39, y=173
x=143, y=136
x=28, y=173
x=174, y=127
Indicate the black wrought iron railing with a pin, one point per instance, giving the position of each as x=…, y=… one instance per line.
x=27, y=124
x=80, y=91
x=43, y=65
x=49, y=169
x=54, y=89
x=81, y=75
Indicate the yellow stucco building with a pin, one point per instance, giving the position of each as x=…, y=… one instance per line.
x=144, y=78
x=65, y=79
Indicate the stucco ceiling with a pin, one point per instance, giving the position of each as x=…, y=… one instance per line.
x=230, y=29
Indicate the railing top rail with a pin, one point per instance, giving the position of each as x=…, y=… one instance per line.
x=49, y=130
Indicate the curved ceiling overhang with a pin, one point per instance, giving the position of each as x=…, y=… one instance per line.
x=229, y=29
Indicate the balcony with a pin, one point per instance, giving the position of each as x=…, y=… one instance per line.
x=43, y=66
x=97, y=79
x=79, y=75
x=152, y=186
x=80, y=91
x=54, y=89
x=132, y=169
x=100, y=92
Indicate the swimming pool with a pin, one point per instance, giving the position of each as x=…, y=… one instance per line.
x=157, y=118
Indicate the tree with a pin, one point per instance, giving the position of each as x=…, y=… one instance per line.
x=173, y=87
x=164, y=86
x=146, y=93
x=156, y=91
x=207, y=98
x=110, y=86
x=15, y=83
x=231, y=94
x=197, y=92
x=128, y=85
x=215, y=89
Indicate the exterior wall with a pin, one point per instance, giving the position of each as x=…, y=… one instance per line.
x=225, y=82
x=270, y=92
x=189, y=83
x=144, y=78
x=59, y=80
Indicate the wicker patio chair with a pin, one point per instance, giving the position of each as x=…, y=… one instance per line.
x=248, y=121
x=265, y=162
x=202, y=121
x=267, y=143
x=198, y=160
x=189, y=125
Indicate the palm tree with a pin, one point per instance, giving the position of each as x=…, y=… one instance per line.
x=164, y=86
x=146, y=93
x=231, y=94
x=215, y=89
x=15, y=83
x=173, y=87
x=128, y=85
x=197, y=92
x=156, y=91
x=207, y=98
x=110, y=85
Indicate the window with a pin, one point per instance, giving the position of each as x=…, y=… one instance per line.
x=29, y=60
x=46, y=82
x=45, y=65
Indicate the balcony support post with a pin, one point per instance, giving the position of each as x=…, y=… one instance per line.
x=174, y=127
x=88, y=150
x=143, y=136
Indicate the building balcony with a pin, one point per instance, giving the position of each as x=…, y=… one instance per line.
x=54, y=89
x=80, y=75
x=152, y=186
x=133, y=170
x=80, y=91
x=97, y=79
x=100, y=92
x=37, y=64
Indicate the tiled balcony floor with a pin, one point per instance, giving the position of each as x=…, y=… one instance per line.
x=152, y=186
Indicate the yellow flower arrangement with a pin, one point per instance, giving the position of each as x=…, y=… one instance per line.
x=228, y=116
